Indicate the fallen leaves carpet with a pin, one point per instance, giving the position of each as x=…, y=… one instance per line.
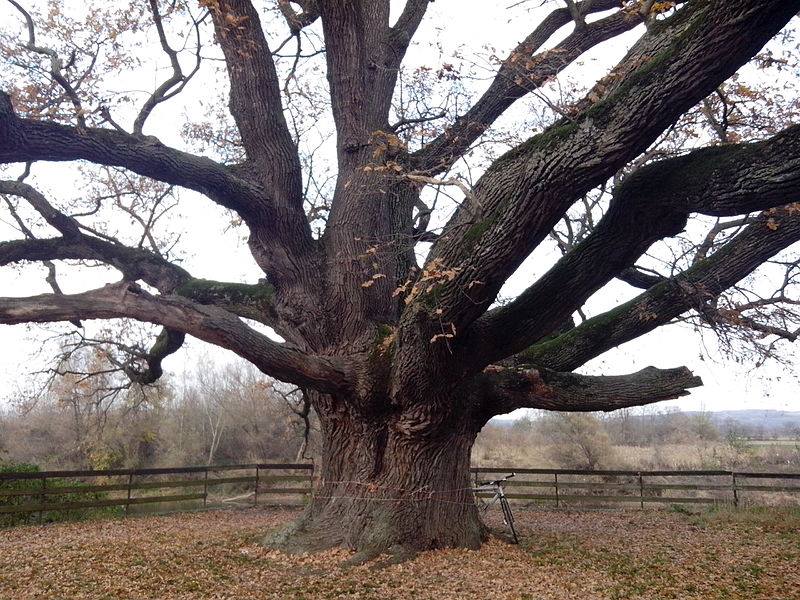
x=650, y=554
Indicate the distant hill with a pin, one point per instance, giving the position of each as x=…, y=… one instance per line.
x=751, y=419
x=769, y=419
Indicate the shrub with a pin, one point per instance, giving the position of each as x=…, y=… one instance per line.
x=34, y=487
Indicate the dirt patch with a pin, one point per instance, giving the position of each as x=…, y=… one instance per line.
x=587, y=555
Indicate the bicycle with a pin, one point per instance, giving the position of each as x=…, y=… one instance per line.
x=496, y=486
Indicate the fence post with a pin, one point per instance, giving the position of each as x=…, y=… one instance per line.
x=641, y=491
x=128, y=500
x=555, y=480
x=42, y=498
x=205, y=489
x=255, y=494
x=735, y=491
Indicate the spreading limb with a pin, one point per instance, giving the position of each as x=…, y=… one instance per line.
x=23, y=140
x=653, y=203
x=208, y=323
x=507, y=389
x=768, y=235
x=521, y=197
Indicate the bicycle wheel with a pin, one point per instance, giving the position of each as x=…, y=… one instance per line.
x=508, y=517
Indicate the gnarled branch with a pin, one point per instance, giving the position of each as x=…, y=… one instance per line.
x=256, y=98
x=297, y=21
x=208, y=323
x=507, y=389
x=251, y=301
x=167, y=343
x=649, y=205
x=402, y=32
x=280, y=238
x=525, y=192
x=23, y=140
x=768, y=235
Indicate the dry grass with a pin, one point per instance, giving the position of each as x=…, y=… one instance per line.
x=587, y=555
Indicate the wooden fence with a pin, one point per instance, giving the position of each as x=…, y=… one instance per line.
x=126, y=488
x=46, y=491
x=563, y=487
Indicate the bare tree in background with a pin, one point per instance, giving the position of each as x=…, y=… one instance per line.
x=577, y=441
x=219, y=414
x=402, y=362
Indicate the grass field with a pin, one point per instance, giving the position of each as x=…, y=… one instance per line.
x=635, y=554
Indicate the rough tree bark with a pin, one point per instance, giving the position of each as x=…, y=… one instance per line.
x=404, y=364
x=385, y=487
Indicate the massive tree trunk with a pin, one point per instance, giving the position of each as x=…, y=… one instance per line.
x=385, y=488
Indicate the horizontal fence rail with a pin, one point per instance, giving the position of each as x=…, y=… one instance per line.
x=188, y=488
x=184, y=488
x=563, y=487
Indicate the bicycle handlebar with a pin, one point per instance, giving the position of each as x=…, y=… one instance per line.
x=498, y=481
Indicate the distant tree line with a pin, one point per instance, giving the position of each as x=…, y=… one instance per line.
x=640, y=439
x=86, y=417
x=214, y=415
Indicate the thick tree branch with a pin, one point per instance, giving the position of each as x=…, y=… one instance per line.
x=284, y=248
x=251, y=301
x=23, y=140
x=507, y=389
x=67, y=226
x=402, y=32
x=637, y=278
x=255, y=302
x=523, y=194
x=210, y=324
x=361, y=84
x=168, y=342
x=255, y=99
x=297, y=21
x=649, y=205
x=521, y=73
x=135, y=264
x=280, y=238
x=768, y=235
x=369, y=229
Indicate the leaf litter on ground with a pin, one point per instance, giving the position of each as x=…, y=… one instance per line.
x=649, y=554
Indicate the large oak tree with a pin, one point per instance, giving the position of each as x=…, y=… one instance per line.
x=404, y=362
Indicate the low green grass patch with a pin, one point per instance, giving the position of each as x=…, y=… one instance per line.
x=773, y=519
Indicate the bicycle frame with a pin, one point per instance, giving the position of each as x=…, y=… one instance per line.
x=496, y=487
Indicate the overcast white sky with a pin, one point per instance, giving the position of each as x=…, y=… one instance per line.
x=210, y=253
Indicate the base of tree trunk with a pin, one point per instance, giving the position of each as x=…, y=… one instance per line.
x=383, y=532
x=383, y=493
